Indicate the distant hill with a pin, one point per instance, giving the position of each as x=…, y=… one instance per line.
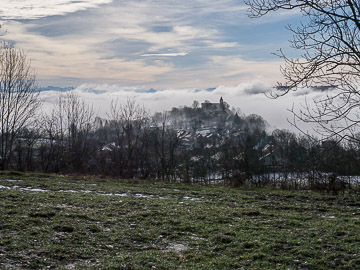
x=54, y=88
x=209, y=117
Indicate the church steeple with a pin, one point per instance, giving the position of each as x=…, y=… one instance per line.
x=222, y=105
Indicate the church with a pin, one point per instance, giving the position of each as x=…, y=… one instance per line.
x=215, y=107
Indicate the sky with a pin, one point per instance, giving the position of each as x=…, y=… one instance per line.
x=122, y=48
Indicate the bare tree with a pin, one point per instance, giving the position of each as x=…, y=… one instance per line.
x=27, y=147
x=129, y=121
x=166, y=143
x=68, y=127
x=18, y=99
x=329, y=39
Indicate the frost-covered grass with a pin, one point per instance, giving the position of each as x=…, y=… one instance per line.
x=61, y=222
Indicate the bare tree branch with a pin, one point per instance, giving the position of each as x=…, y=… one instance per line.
x=329, y=39
x=18, y=98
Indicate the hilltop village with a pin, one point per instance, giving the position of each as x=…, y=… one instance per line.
x=205, y=141
x=212, y=123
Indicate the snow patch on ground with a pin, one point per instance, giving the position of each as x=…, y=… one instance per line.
x=176, y=247
x=137, y=195
x=331, y=217
x=191, y=198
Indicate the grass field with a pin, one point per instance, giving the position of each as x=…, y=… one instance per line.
x=58, y=222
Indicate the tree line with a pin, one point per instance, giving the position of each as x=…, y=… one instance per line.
x=173, y=146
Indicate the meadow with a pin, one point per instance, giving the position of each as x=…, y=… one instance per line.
x=84, y=222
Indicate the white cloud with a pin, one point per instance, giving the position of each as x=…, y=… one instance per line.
x=273, y=110
x=62, y=57
x=222, y=45
x=86, y=59
x=34, y=9
x=180, y=37
x=144, y=42
x=166, y=54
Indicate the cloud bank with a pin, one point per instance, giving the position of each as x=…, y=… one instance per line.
x=35, y=9
x=160, y=44
x=248, y=97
